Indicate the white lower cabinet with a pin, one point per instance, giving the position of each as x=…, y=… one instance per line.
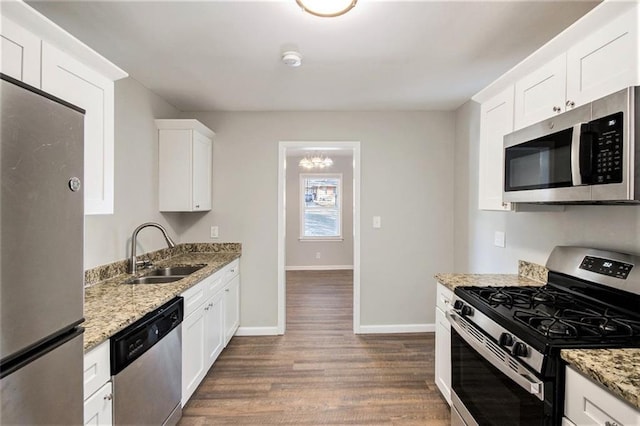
x=211, y=318
x=98, y=391
x=231, y=308
x=98, y=408
x=193, y=352
x=443, y=343
x=588, y=403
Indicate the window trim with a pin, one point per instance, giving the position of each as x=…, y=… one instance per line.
x=303, y=207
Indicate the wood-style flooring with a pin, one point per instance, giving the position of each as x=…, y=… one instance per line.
x=319, y=372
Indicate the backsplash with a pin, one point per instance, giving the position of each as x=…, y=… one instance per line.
x=533, y=271
x=110, y=270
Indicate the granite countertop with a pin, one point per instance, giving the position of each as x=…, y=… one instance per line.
x=618, y=370
x=451, y=281
x=111, y=305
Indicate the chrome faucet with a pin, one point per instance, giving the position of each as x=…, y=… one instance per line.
x=133, y=262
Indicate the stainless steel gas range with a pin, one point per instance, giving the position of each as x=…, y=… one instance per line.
x=506, y=341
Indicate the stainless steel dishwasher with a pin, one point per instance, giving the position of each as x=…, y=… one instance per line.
x=146, y=365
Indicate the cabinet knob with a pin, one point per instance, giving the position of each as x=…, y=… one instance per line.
x=108, y=397
x=557, y=109
x=206, y=308
x=197, y=206
x=227, y=290
x=570, y=104
x=608, y=423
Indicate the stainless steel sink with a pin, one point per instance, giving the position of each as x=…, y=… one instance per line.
x=154, y=279
x=176, y=270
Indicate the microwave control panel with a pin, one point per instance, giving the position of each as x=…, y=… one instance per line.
x=607, y=149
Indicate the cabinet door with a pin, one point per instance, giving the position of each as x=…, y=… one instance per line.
x=214, y=318
x=74, y=82
x=604, y=62
x=443, y=355
x=201, y=172
x=496, y=120
x=231, y=308
x=20, y=53
x=588, y=403
x=541, y=94
x=193, y=352
x=98, y=408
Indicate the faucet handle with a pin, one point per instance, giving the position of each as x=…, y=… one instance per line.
x=144, y=264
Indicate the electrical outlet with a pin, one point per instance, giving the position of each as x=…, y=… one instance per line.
x=214, y=232
x=377, y=222
x=498, y=239
x=317, y=255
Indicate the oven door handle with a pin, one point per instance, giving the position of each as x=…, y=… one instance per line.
x=497, y=356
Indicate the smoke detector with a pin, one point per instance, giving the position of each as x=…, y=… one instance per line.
x=292, y=58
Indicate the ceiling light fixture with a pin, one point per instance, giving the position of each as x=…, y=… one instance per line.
x=327, y=8
x=292, y=58
x=315, y=161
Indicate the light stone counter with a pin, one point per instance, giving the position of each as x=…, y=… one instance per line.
x=111, y=305
x=451, y=281
x=616, y=369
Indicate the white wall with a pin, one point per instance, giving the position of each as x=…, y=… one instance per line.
x=406, y=179
x=300, y=254
x=529, y=235
x=136, y=178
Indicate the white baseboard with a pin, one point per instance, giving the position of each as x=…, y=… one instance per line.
x=397, y=328
x=318, y=268
x=257, y=331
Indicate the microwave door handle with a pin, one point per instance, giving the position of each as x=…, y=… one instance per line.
x=586, y=156
x=513, y=370
x=576, y=172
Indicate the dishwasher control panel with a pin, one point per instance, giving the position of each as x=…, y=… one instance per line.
x=130, y=343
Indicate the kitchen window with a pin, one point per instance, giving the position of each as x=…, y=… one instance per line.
x=320, y=206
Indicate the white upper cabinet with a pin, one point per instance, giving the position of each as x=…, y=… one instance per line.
x=69, y=79
x=496, y=120
x=605, y=61
x=185, y=165
x=541, y=94
x=20, y=53
x=602, y=62
x=38, y=52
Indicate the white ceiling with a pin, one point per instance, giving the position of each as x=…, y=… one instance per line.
x=383, y=55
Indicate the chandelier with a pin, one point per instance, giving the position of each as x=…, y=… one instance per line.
x=327, y=8
x=315, y=161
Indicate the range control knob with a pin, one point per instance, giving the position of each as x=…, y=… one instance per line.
x=520, y=349
x=458, y=304
x=506, y=339
x=467, y=311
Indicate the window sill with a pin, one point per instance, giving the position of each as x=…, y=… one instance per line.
x=321, y=240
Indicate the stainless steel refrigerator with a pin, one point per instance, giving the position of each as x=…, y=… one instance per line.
x=41, y=267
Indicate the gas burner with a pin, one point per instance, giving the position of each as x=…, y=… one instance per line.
x=542, y=296
x=556, y=328
x=500, y=297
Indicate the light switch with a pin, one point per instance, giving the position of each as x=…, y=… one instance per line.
x=214, y=232
x=377, y=224
x=498, y=239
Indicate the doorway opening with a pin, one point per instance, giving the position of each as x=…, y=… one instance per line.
x=322, y=217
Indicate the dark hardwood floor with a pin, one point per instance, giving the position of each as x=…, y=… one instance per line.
x=319, y=372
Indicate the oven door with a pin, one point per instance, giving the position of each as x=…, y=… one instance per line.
x=489, y=386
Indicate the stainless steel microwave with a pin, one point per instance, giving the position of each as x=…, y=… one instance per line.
x=588, y=155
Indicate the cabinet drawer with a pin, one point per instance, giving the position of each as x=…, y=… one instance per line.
x=97, y=368
x=231, y=270
x=214, y=284
x=194, y=297
x=443, y=297
x=587, y=403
